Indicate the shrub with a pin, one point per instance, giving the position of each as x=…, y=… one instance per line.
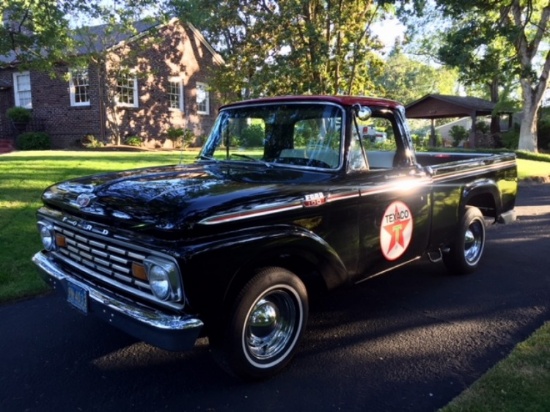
x=252, y=136
x=180, y=137
x=510, y=139
x=458, y=133
x=133, y=141
x=19, y=114
x=483, y=127
x=175, y=135
x=33, y=141
x=90, y=141
x=188, y=137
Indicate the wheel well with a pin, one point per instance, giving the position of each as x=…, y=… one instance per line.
x=306, y=270
x=484, y=202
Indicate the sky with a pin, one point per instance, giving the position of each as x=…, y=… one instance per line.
x=388, y=31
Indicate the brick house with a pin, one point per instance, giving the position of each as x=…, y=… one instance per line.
x=144, y=84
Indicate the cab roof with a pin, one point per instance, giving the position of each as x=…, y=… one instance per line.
x=341, y=100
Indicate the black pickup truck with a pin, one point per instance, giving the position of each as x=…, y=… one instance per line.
x=289, y=197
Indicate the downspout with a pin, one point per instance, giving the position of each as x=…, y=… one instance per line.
x=102, y=131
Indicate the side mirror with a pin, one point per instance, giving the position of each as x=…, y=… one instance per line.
x=362, y=112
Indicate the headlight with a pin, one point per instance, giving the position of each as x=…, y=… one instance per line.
x=47, y=234
x=163, y=278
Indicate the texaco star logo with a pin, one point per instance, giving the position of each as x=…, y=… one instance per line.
x=396, y=230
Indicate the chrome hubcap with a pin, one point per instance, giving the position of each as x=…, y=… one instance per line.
x=473, y=242
x=271, y=325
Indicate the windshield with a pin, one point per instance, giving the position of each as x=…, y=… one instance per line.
x=296, y=134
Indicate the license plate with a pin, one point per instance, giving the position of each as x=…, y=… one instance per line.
x=77, y=296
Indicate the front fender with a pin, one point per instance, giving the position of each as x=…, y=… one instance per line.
x=210, y=268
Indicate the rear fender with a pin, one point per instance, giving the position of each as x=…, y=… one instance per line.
x=483, y=194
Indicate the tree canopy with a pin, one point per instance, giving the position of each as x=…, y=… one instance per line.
x=290, y=46
x=42, y=33
x=406, y=80
x=314, y=46
x=499, y=41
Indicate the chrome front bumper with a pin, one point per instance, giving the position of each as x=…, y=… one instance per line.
x=171, y=332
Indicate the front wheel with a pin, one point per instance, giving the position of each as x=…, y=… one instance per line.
x=266, y=323
x=466, y=251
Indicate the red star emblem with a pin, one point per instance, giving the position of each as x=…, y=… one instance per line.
x=395, y=230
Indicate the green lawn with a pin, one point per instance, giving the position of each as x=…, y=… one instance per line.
x=520, y=382
x=532, y=168
x=23, y=177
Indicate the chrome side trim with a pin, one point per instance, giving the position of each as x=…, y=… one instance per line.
x=254, y=212
x=441, y=174
x=145, y=316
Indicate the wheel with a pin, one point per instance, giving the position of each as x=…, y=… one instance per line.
x=466, y=252
x=265, y=325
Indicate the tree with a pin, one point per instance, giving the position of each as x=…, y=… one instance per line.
x=508, y=37
x=484, y=68
x=41, y=34
x=289, y=46
x=404, y=79
x=32, y=31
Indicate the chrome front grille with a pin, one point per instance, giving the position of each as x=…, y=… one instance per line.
x=111, y=261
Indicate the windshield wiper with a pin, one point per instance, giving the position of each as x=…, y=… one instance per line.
x=266, y=164
x=203, y=157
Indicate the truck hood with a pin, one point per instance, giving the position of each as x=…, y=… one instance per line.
x=178, y=197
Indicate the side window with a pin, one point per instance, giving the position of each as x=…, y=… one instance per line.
x=378, y=138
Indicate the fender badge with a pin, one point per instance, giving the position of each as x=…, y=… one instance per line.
x=84, y=200
x=315, y=199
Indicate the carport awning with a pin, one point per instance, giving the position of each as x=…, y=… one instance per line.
x=437, y=106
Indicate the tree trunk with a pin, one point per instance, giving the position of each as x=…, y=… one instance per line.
x=532, y=90
x=495, y=117
x=532, y=99
x=528, y=127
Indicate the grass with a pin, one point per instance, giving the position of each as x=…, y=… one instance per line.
x=531, y=168
x=520, y=382
x=23, y=177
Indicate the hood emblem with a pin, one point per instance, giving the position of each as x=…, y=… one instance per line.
x=84, y=200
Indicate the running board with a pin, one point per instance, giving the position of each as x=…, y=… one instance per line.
x=387, y=270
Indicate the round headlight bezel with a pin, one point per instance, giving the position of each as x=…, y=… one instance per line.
x=47, y=236
x=159, y=281
x=164, y=278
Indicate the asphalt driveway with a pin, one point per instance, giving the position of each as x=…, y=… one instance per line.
x=411, y=340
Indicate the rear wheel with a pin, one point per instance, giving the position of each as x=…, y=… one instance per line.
x=265, y=325
x=466, y=251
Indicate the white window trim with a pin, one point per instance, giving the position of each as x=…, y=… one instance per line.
x=72, y=90
x=207, y=94
x=16, y=90
x=179, y=80
x=135, y=91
